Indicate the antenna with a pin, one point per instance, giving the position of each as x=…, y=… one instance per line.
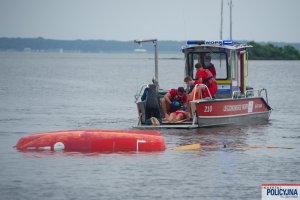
x=221, y=29
x=230, y=7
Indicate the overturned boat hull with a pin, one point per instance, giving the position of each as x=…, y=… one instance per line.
x=94, y=141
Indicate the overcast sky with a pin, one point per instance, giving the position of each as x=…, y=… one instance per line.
x=259, y=20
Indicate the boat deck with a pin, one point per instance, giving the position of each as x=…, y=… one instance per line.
x=182, y=125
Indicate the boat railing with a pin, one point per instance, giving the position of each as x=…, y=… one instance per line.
x=199, y=87
x=251, y=93
x=266, y=93
x=239, y=95
x=140, y=92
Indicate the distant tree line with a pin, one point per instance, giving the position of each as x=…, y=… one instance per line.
x=270, y=52
x=260, y=51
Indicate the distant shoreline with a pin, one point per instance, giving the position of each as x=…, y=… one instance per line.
x=261, y=51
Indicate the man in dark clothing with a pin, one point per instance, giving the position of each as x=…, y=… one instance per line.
x=152, y=108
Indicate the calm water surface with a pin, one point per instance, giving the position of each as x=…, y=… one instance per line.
x=47, y=92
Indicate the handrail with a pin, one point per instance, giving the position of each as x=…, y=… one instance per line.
x=234, y=93
x=200, y=86
x=194, y=118
x=266, y=93
x=259, y=93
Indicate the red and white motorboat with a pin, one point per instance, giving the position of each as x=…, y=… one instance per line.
x=234, y=103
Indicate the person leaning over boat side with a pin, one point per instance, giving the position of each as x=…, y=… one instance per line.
x=152, y=110
x=190, y=83
x=194, y=93
x=208, y=65
x=173, y=100
x=204, y=76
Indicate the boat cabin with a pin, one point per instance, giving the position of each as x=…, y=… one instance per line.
x=229, y=60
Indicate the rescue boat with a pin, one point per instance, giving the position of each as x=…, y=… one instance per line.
x=234, y=103
x=94, y=141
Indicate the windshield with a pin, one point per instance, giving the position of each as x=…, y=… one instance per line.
x=216, y=60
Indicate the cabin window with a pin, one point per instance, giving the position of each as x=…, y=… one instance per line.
x=218, y=59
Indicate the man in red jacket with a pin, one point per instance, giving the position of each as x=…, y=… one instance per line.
x=204, y=76
x=174, y=100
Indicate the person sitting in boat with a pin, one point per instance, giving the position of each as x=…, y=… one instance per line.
x=204, y=76
x=208, y=65
x=173, y=100
x=179, y=116
x=152, y=106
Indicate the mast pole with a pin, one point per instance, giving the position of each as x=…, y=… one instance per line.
x=221, y=29
x=156, y=63
x=230, y=7
x=155, y=42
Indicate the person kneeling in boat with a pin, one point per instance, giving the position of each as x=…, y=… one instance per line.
x=204, y=76
x=152, y=110
x=173, y=100
x=179, y=116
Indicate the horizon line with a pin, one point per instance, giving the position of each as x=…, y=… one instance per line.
x=117, y=40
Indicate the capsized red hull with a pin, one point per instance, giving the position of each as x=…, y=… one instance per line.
x=94, y=141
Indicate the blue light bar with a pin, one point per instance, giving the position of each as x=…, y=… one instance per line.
x=228, y=42
x=210, y=42
x=195, y=42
